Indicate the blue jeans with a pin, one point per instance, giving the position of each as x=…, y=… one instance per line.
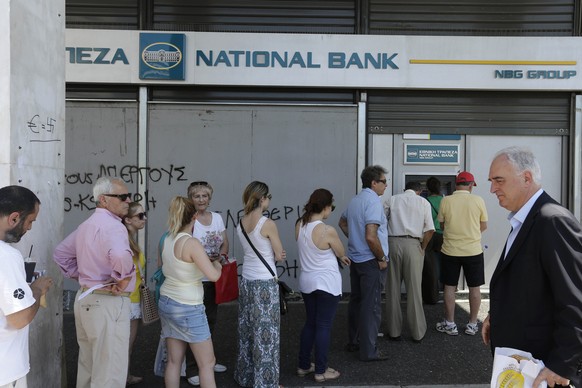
x=320, y=309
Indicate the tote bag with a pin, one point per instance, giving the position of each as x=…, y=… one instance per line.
x=227, y=284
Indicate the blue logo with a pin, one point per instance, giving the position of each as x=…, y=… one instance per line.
x=162, y=56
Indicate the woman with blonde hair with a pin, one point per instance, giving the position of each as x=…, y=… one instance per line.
x=184, y=323
x=320, y=282
x=210, y=231
x=134, y=221
x=259, y=314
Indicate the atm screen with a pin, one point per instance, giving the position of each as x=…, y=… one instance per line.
x=447, y=183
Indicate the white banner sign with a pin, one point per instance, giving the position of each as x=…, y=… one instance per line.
x=343, y=61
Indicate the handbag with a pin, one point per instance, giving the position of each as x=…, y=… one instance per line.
x=284, y=289
x=149, y=308
x=227, y=284
x=159, y=277
x=284, y=292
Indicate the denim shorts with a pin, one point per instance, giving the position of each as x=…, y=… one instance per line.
x=185, y=322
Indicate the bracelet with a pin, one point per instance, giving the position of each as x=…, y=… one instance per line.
x=223, y=257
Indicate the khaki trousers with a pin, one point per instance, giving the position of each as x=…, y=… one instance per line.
x=20, y=383
x=406, y=262
x=102, y=323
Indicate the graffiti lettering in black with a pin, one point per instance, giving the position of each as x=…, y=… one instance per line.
x=39, y=126
x=287, y=267
x=282, y=269
x=79, y=178
x=129, y=174
x=288, y=213
x=136, y=174
x=86, y=202
x=150, y=203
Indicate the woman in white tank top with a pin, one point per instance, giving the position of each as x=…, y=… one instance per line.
x=320, y=283
x=258, y=312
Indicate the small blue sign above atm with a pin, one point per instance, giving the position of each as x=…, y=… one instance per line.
x=447, y=154
x=162, y=56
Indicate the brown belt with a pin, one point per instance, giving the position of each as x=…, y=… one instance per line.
x=407, y=236
x=105, y=292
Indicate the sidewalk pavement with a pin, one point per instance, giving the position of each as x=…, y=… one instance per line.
x=439, y=361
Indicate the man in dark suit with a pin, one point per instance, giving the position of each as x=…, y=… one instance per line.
x=536, y=289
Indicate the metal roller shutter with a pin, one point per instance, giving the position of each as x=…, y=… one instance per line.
x=477, y=113
x=103, y=14
x=473, y=17
x=281, y=16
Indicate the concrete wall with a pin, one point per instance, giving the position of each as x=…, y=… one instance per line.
x=32, y=113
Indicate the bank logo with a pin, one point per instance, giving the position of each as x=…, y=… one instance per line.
x=162, y=56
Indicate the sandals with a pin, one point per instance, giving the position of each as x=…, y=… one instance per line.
x=305, y=372
x=329, y=374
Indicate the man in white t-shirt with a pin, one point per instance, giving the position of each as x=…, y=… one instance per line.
x=19, y=302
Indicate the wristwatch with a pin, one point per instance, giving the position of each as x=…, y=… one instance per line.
x=382, y=259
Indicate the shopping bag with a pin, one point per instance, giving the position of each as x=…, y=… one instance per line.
x=227, y=284
x=162, y=359
x=515, y=368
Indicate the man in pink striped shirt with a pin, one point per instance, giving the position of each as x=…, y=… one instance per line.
x=97, y=254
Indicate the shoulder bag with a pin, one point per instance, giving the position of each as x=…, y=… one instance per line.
x=284, y=289
x=149, y=308
x=158, y=276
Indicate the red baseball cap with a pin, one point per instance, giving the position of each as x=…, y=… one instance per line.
x=466, y=177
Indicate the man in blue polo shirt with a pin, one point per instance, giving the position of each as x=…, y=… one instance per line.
x=364, y=224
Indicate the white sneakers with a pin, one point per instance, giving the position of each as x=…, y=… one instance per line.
x=451, y=328
x=472, y=328
x=195, y=380
x=448, y=328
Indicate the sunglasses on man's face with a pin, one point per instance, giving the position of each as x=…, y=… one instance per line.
x=141, y=215
x=122, y=197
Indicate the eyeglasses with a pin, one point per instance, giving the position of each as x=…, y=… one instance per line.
x=269, y=196
x=199, y=183
x=332, y=207
x=381, y=180
x=141, y=215
x=122, y=197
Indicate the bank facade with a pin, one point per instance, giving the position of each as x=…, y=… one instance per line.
x=304, y=94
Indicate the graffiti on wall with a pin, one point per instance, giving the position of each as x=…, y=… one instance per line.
x=81, y=198
x=42, y=129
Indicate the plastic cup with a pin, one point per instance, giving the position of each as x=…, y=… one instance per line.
x=29, y=267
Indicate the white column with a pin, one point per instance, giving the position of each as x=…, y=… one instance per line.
x=32, y=145
x=577, y=175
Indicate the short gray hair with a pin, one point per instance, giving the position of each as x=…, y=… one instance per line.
x=522, y=160
x=104, y=185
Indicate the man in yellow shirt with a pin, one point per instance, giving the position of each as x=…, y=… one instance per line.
x=463, y=218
